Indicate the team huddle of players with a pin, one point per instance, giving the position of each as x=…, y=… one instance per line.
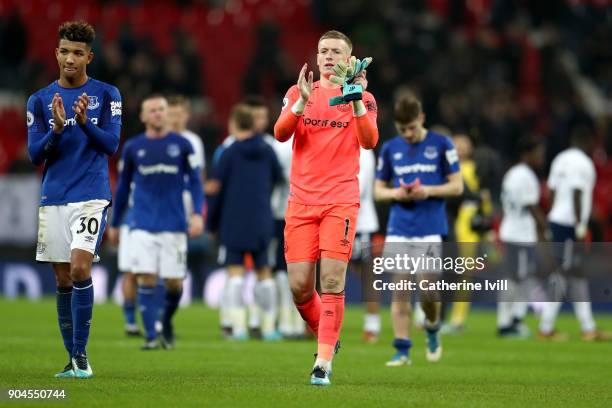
x=301, y=188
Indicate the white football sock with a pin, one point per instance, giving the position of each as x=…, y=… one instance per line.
x=371, y=323
x=549, y=316
x=267, y=302
x=224, y=305
x=285, y=303
x=298, y=326
x=237, y=309
x=324, y=364
x=419, y=315
x=584, y=314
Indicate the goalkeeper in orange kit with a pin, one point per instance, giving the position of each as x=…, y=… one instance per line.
x=330, y=119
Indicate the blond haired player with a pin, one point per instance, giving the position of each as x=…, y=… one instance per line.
x=324, y=190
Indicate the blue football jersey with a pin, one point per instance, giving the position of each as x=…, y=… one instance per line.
x=156, y=170
x=431, y=161
x=76, y=161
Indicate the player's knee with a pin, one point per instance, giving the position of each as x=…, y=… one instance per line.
x=174, y=285
x=63, y=278
x=80, y=271
x=429, y=298
x=400, y=297
x=400, y=307
x=331, y=284
x=301, y=291
x=264, y=273
x=146, y=279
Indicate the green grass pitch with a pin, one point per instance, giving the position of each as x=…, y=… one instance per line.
x=477, y=369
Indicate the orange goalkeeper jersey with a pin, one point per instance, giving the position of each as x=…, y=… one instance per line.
x=325, y=160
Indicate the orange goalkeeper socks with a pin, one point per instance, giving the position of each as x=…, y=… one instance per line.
x=332, y=314
x=311, y=312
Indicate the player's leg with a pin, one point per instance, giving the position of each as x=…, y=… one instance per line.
x=265, y=294
x=173, y=294
x=430, y=299
x=64, y=313
x=82, y=309
x=148, y=307
x=286, y=308
x=146, y=250
x=333, y=277
x=128, y=282
x=579, y=295
x=337, y=233
x=524, y=279
x=224, y=315
x=361, y=263
x=266, y=298
x=301, y=253
x=234, y=312
x=128, y=288
x=430, y=302
x=254, y=311
x=88, y=222
x=306, y=299
x=514, y=263
x=562, y=248
x=285, y=304
x=401, y=313
x=237, y=310
x=173, y=270
x=458, y=306
x=160, y=300
x=54, y=240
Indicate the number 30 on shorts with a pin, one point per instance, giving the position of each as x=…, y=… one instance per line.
x=91, y=225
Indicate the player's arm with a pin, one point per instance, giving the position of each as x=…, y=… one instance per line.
x=288, y=120
x=384, y=173
x=212, y=184
x=367, y=131
x=106, y=136
x=123, y=189
x=382, y=191
x=453, y=187
x=200, y=157
x=581, y=225
x=449, y=163
x=540, y=219
x=196, y=222
x=43, y=143
x=365, y=118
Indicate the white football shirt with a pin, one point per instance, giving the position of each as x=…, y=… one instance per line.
x=198, y=159
x=571, y=170
x=520, y=189
x=367, y=220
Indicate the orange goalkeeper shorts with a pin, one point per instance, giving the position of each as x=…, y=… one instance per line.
x=319, y=231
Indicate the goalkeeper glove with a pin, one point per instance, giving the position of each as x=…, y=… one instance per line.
x=345, y=76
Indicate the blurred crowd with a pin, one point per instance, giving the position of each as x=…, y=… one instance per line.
x=495, y=70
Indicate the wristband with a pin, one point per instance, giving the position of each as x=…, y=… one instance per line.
x=359, y=108
x=298, y=107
